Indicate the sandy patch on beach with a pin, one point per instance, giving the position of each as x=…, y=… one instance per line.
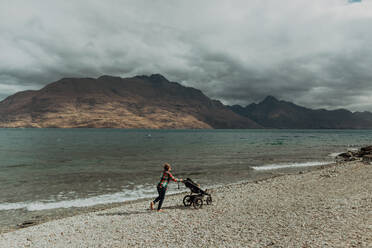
x=331, y=207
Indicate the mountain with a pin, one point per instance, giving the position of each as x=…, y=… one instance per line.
x=272, y=113
x=114, y=102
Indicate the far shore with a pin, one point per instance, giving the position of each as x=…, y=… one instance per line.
x=330, y=207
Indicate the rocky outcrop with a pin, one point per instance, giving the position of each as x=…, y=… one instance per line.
x=114, y=102
x=364, y=153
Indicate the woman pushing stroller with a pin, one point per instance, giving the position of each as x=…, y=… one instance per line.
x=162, y=186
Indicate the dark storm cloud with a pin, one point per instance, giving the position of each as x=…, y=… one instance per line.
x=316, y=53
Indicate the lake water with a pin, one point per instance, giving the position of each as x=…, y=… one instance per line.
x=43, y=169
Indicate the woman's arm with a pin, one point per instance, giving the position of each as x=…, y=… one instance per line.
x=173, y=178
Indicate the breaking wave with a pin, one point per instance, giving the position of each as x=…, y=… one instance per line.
x=128, y=195
x=289, y=165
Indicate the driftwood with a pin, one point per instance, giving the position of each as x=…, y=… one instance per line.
x=27, y=224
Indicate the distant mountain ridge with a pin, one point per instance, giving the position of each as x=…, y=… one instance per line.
x=272, y=113
x=154, y=102
x=114, y=102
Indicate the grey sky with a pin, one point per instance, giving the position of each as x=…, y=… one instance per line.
x=315, y=53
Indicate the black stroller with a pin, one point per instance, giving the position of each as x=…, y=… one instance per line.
x=196, y=197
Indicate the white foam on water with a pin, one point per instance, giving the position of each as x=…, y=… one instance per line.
x=122, y=196
x=334, y=154
x=139, y=192
x=289, y=165
x=10, y=206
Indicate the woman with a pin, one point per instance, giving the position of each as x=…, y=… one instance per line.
x=162, y=186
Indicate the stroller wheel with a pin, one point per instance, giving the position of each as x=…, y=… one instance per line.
x=187, y=201
x=209, y=200
x=198, y=202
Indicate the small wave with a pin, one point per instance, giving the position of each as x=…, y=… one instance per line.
x=19, y=165
x=334, y=154
x=289, y=165
x=128, y=195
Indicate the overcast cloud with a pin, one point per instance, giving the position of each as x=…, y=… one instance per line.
x=315, y=53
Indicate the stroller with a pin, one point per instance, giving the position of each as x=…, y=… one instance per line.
x=196, y=197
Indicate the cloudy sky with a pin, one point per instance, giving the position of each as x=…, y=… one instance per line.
x=315, y=53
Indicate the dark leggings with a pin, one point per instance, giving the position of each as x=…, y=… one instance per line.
x=160, y=198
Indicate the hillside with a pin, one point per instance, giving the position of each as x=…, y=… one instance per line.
x=114, y=102
x=272, y=113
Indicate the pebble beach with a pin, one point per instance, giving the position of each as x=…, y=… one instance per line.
x=329, y=207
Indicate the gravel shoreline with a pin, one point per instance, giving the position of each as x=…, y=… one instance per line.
x=331, y=207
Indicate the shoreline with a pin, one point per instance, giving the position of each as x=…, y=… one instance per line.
x=62, y=213
x=330, y=205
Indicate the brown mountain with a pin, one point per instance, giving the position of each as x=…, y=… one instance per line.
x=273, y=113
x=114, y=102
